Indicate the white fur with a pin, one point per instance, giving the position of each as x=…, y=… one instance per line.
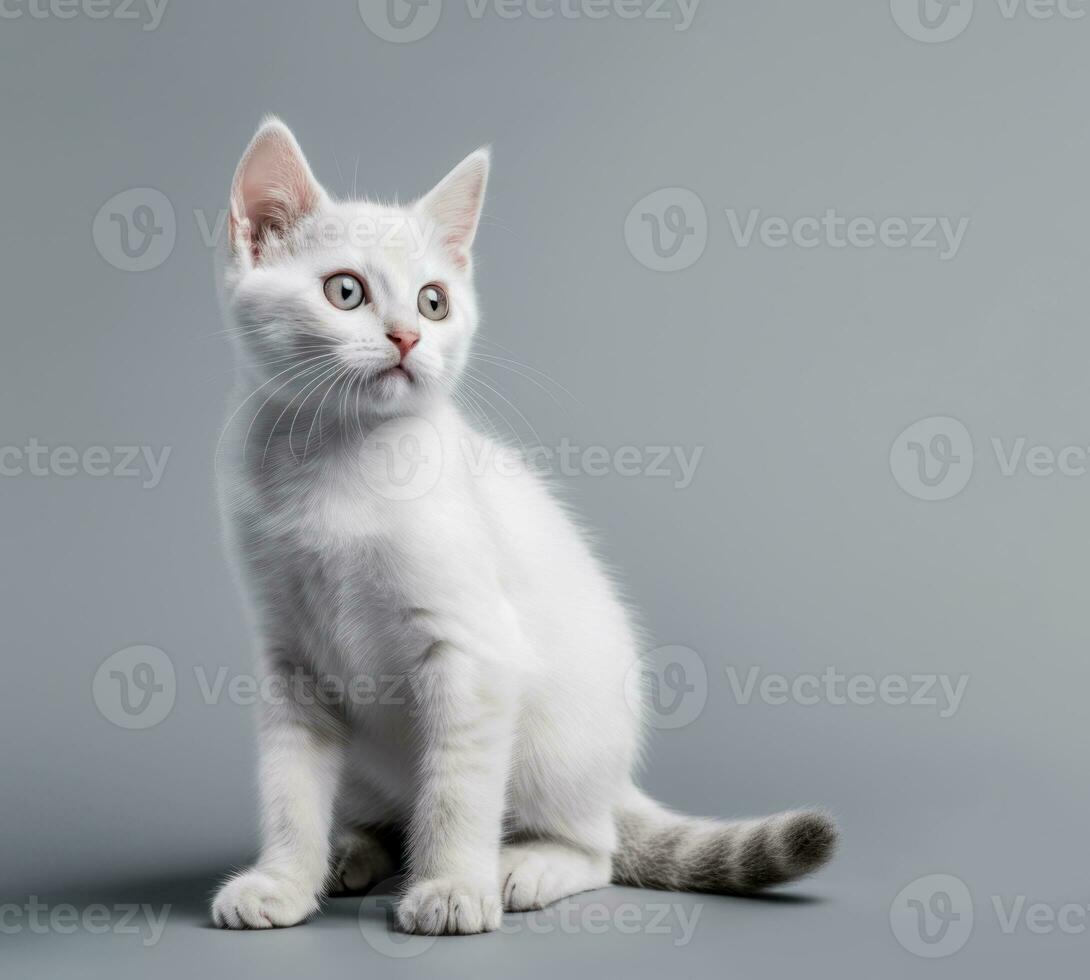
x=513, y=755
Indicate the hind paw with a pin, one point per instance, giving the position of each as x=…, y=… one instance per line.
x=533, y=876
x=362, y=860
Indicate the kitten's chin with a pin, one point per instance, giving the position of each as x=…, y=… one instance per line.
x=397, y=391
x=393, y=384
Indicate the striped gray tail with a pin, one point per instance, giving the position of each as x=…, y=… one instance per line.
x=660, y=849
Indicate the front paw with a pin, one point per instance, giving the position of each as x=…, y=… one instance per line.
x=258, y=900
x=449, y=907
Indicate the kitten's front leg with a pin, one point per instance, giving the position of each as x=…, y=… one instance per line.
x=300, y=759
x=465, y=711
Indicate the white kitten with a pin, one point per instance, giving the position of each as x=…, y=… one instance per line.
x=505, y=761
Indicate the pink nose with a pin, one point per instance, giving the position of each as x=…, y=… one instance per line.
x=404, y=340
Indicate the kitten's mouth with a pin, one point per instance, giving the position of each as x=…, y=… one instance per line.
x=398, y=371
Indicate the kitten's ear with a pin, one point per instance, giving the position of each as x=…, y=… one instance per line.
x=273, y=188
x=454, y=205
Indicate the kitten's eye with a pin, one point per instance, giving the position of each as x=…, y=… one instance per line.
x=433, y=302
x=344, y=291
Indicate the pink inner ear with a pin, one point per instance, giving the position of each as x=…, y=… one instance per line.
x=272, y=189
x=456, y=248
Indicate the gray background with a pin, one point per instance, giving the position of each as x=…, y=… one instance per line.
x=793, y=549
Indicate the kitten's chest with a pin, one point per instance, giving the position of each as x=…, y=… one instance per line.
x=349, y=601
x=395, y=490
x=366, y=567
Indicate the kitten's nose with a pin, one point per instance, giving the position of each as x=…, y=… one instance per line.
x=404, y=340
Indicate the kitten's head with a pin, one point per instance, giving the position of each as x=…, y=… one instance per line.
x=368, y=305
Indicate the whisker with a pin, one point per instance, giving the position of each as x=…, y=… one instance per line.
x=318, y=415
x=466, y=398
x=260, y=328
x=500, y=394
x=529, y=367
x=295, y=418
x=283, y=412
x=502, y=363
x=319, y=366
x=276, y=360
x=360, y=381
x=344, y=186
x=231, y=418
x=468, y=382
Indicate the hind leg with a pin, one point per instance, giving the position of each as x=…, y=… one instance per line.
x=364, y=856
x=537, y=873
x=561, y=827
